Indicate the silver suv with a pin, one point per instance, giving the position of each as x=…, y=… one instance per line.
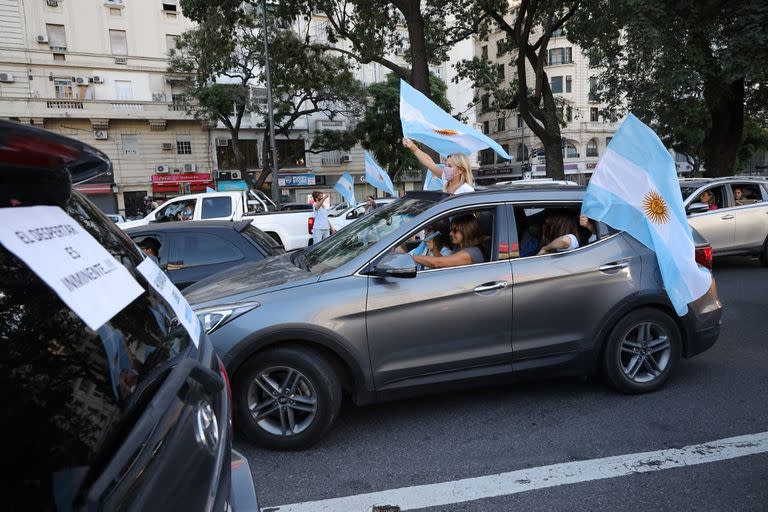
x=731, y=213
x=354, y=315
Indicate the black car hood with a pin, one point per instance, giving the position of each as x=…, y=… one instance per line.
x=249, y=279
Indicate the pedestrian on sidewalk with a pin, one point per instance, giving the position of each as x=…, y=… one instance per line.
x=322, y=228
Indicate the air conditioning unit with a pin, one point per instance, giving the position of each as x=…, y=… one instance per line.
x=167, y=146
x=7, y=77
x=121, y=60
x=235, y=175
x=79, y=80
x=222, y=143
x=100, y=134
x=42, y=39
x=96, y=80
x=190, y=167
x=345, y=159
x=52, y=3
x=162, y=169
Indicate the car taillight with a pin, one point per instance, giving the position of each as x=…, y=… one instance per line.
x=704, y=256
x=223, y=372
x=310, y=224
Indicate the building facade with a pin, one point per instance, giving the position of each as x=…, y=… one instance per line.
x=96, y=71
x=586, y=132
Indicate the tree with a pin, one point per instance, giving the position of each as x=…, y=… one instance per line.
x=685, y=67
x=527, y=41
x=222, y=67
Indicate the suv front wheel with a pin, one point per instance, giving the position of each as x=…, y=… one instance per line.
x=642, y=351
x=286, y=398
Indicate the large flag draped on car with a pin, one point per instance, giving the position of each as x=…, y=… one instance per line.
x=427, y=123
x=346, y=187
x=635, y=189
x=378, y=177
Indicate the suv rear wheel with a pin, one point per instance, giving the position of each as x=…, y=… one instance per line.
x=642, y=351
x=764, y=253
x=286, y=398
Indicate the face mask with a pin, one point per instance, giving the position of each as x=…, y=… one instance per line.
x=448, y=173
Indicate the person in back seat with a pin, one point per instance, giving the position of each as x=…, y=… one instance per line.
x=466, y=239
x=559, y=233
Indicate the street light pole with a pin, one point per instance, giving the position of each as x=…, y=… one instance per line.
x=270, y=108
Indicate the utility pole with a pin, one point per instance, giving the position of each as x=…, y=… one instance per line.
x=270, y=107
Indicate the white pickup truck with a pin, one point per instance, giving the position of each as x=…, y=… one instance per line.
x=288, y=228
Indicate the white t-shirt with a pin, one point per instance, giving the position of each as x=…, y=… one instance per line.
x=321, y=218
x=463, y=189
x=574, y=243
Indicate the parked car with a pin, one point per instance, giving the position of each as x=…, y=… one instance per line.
x=116, y=218
x=732, y=225
x=339, y=219
x=191, y=251
x=130, y=416
x=354, y=315
x=287, y=228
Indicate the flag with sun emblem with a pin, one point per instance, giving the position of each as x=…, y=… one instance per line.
x=635, y=189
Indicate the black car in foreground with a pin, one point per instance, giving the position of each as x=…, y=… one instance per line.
x=133, y=414
x=191, y=251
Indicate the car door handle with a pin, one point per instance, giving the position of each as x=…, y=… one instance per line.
x=616, y=265
x=727, y=217
x=498, y=285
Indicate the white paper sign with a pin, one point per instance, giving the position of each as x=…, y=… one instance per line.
x=68, y=259
x=160, y=282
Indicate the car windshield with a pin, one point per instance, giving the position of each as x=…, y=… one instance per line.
x=688, y=189
x=349, y=242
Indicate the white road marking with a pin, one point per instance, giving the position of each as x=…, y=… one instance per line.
x=502, y=484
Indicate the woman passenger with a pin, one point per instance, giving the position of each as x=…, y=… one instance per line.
x=559, y=233
x=457, y=175
x=465, y=238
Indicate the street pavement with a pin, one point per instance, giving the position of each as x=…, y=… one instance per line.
x=474, y=433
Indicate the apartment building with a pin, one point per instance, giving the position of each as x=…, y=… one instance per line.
x=96, y=71
x=586, y=132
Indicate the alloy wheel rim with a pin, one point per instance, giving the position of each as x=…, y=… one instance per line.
x=282, y=401
x=645, y=352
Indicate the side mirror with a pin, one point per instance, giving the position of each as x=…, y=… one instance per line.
x=697, y=208
x=396, y=265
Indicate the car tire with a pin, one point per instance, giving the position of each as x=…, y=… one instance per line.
x=764, y=254
x=292, y=418
x=642, y=351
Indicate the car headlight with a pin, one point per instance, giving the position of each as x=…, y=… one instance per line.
x=214, y=317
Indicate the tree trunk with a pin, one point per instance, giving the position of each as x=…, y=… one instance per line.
x=411, y=10
x=239, y=157
x=267, y=165
x=726, y=108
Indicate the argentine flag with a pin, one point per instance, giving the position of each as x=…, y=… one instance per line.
x=346, y=187
x=377, y=177
x=635, y=189
x=432, y=182
x=427, y=123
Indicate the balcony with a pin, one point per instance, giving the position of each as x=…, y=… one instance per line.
x=106, y=109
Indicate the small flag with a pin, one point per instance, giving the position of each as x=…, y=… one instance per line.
x=432, y=182
x=635, y=189
x=209, y=190
x=427, y=123
x=346, y=187
x=377, y=177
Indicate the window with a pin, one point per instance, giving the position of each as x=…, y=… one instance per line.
x=259, y=96
x=558, y=33
x=332, y=158
x=559, y=56
x=169, y=6
x=170, y=42
x=501, y=124
x=57, y=38
x=118, y=42
x=123, y=89
x=746, y=193
x=192, y=250
x=486, y=127
x=608, y=141
x=593, y=114
x=556, y=83
x=183, y=145
x=569, y=113
x=530, y=220
x=568, y=83
x=215, y=207
x=499, y=158
x=569, y=151
x=592, y=148
x=130, y=144
x=225, y=155
x=593, y=89
x=500, y=47
x=500, y=71
x=612, y=117
x=290, y=153
x=170, y=211
x=115, y=12
x=520, y=121
x=487, y=156
x=485, y=102
x=484, y=52
x=63, y=88
x=522, y=152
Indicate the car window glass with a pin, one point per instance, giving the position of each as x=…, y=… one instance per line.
x=194, y=249
x=262, y=240
x=137, y=239
x=214, y=207
x=746, y=193
x=74, y=390
x=531, y=231
x=170, y=211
